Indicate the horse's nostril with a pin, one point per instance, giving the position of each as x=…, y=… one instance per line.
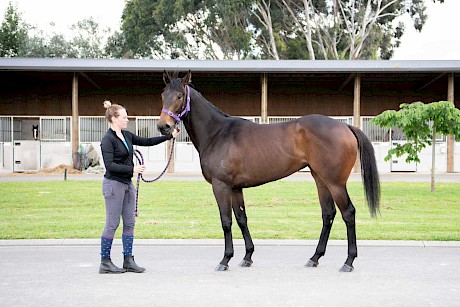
x=164, y=129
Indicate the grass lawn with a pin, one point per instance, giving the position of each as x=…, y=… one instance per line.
x=278, y=210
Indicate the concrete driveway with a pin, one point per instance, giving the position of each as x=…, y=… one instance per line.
x=181, y=273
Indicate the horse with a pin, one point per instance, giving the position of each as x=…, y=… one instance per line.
x=236, y=153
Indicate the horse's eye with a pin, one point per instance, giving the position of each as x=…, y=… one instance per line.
x=179, y=96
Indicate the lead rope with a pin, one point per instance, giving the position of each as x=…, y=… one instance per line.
x=140, y=159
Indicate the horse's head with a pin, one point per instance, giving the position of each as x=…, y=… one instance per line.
x=174, y=98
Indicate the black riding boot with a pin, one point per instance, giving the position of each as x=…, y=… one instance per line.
x=130, y=266
x=107, y=267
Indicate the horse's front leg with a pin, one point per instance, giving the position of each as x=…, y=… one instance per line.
x=222, y=193
x=242, y=220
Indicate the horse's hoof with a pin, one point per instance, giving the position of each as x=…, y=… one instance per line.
x=311, y=264
x=222, y=267
x=346, y=268
x=245, y=263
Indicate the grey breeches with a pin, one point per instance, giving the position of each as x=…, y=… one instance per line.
x=119, y=202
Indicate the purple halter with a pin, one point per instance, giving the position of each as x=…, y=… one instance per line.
x=185, y=111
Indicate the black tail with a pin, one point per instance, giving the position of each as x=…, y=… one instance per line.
x=369, y=171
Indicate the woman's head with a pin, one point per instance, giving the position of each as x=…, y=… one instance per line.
x=116, y=115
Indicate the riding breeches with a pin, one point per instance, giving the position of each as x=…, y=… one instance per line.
x=120, y=201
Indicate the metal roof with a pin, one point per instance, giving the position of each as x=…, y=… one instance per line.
x=249, y=66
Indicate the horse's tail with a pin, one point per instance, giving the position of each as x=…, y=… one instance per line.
x=369, y=172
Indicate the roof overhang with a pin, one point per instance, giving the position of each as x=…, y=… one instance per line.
x=248, y=66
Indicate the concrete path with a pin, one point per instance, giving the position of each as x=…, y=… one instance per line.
x=181, y=273
x=299, y=176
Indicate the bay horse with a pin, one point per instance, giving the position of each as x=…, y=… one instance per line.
x=236, y=153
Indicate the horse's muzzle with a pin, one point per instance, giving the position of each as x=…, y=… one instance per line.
x=165, y=129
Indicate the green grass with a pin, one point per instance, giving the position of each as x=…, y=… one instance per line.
x=278, y=210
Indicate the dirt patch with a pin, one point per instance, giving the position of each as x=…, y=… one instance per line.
x=56, y=170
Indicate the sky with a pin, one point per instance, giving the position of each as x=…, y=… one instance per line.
x=437, y=41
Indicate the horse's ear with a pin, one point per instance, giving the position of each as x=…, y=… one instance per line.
x=166, y=78
x=187, y=79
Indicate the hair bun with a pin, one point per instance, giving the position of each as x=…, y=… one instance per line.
x=107, y=104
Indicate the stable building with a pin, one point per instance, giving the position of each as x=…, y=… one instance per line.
x=52, y=108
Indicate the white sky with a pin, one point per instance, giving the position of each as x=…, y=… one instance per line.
x=438, y=40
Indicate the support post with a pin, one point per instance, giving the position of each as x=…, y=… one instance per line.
x=357, y=114
x=264, y=99
x=450, y=138
x=75, y=114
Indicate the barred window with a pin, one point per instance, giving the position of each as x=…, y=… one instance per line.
x=374, y=132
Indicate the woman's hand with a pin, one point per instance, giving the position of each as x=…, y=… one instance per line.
x=175, y=132
x=139, y=169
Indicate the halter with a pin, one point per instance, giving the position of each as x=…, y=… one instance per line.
x=178, y=117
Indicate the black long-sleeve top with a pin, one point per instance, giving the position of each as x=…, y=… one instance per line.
x=118, y=160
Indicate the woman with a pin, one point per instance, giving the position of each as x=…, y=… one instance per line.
x=117, y=187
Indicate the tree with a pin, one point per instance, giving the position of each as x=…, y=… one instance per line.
x=352, y=29
x=87, y=42
x=88, y=39
x=19, y=39
x=13, y=33
x=117, y=48
x=268, y=29
x=420, y=123
x=40, y=45
x=211, y=29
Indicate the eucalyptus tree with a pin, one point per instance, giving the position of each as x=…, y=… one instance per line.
x=268, y=29
x=352, y=29
x=187, y=29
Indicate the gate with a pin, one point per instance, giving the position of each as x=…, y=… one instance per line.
x=186, y=157
x=91, y=130
x=380, y=139
x=6, y=142
x=155, y=157
x=279, y=119
x=55, y=137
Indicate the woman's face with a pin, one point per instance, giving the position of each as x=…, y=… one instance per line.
x=122, y=120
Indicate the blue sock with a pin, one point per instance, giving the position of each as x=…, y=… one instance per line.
x=127, y=245
x=106, y=246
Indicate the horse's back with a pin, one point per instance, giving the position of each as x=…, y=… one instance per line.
x=332, y=147
x=325, y=130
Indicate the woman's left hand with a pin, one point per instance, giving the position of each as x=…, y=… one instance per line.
x=175, y=132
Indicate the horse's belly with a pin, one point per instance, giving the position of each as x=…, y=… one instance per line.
x=258, y=172
x=243, y=164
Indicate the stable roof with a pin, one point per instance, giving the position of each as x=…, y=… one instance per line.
x=240, y=66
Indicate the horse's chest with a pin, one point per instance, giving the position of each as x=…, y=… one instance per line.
x=218, y=164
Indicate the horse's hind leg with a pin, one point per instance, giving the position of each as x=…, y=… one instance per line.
x=328, y=213
x=342, y=199
x=222, y=192
x=242, y=220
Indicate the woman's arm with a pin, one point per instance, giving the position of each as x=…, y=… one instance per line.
x=141, y=141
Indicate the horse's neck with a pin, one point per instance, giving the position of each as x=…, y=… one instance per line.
x=202, y=121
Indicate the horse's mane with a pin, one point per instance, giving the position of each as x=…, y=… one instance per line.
x=213, y=106
x=176, y=84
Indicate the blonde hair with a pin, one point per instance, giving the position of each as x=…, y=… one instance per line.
x=113, y=110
